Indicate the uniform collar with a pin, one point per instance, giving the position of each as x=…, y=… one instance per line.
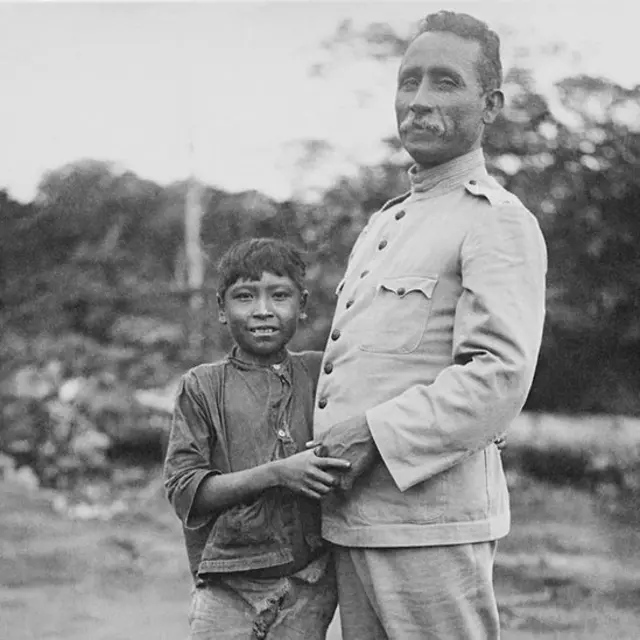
x=447, y=176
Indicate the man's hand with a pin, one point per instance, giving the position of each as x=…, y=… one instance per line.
x=310, y=475
x=349, y=440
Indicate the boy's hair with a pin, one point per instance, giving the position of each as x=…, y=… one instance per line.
x=248, y=259
x=470, y=28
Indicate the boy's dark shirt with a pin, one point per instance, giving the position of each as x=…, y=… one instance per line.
x=233, y=415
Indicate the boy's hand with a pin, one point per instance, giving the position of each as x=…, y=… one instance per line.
x=310, y=475
x=350, y=440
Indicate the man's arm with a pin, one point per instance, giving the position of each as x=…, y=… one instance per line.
x=497, y=333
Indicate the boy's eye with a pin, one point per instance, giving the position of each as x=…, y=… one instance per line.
x=242, y=295
x=282, y=295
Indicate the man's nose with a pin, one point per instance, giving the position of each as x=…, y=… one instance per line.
x=423, y=100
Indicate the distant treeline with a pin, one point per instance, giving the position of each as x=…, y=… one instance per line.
x=98, y=244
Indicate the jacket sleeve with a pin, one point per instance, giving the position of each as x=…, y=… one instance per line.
x=497, y=333
x=191, y=443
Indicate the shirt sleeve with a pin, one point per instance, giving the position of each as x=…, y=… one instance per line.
x=188, y=460
x=497, y=333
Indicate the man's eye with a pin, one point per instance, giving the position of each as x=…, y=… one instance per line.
x=409, y=84
x=447, y=83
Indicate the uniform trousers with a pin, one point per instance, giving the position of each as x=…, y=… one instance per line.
x=418, y=593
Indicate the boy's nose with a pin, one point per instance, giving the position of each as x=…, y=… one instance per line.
x=262, y=308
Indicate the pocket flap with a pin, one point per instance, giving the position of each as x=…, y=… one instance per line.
x=402, y=285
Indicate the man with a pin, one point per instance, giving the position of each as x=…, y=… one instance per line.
x=431, y=355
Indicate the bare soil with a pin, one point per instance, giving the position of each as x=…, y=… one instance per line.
x=570, y=569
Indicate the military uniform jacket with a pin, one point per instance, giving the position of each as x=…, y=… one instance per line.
x=435, y=339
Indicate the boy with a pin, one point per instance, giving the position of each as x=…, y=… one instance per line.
x=237, y=471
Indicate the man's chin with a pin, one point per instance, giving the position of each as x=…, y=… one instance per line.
x=427, y=157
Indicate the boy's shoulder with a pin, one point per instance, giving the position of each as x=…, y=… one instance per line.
x=206, y=370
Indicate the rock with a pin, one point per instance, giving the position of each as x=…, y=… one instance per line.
x=30, y=382
x=70, y=389
x=7, y=466
x=26, y=477
x=90, y=447
x=157, y=399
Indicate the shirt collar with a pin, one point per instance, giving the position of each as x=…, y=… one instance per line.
x=447, y=176
x=284, y=367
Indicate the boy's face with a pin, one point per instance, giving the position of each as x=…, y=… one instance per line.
x=262, y=315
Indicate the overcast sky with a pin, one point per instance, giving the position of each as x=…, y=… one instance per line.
x=134, y=83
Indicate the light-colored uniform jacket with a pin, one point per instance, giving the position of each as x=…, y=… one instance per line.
x=435, y=339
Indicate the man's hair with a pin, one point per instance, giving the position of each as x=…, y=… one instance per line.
x=465, y=26
x=248, y=259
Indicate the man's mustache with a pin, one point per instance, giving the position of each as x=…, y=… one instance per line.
x=424, y=123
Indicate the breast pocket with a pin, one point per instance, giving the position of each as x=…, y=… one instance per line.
x=398, y=314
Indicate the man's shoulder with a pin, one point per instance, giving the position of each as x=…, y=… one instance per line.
x=488, y=190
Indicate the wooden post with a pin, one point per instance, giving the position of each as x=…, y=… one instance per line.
x=195, y=265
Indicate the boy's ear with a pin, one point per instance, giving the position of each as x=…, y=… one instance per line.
x=222, y=316
x=304, y=298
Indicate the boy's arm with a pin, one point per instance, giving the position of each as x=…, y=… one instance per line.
x=188, y=461
x=304, y=473
x=198, y=492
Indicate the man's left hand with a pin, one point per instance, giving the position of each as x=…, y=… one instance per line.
x=350, y=440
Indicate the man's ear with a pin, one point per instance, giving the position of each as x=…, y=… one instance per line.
x=304, y=298
x=222, y=316
x=493, y=103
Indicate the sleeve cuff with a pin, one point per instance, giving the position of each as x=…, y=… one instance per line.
x=387, y=445
x=188, y=498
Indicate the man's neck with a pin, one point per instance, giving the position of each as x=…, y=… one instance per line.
x=446, y=176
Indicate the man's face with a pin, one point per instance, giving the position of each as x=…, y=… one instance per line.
x=262, y=315
x=440, y=104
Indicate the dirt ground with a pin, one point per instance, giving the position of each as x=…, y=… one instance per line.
x=570, y=569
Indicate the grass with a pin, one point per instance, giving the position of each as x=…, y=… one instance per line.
x=570, y=569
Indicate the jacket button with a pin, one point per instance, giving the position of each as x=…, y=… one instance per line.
x=322, y=403
x=400, y=214
x=335, y=334
x=401, y=291
x=328, y=368
x=349, y=304
x=473, y=182
x=281, y=433
x=382, y=245
x=364, y=273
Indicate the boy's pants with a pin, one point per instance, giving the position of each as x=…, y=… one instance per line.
x=220, y=613
x=422, y=593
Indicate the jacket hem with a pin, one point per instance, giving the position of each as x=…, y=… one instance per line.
x=415, y=535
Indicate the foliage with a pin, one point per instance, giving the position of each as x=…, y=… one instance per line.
x=94, y=268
